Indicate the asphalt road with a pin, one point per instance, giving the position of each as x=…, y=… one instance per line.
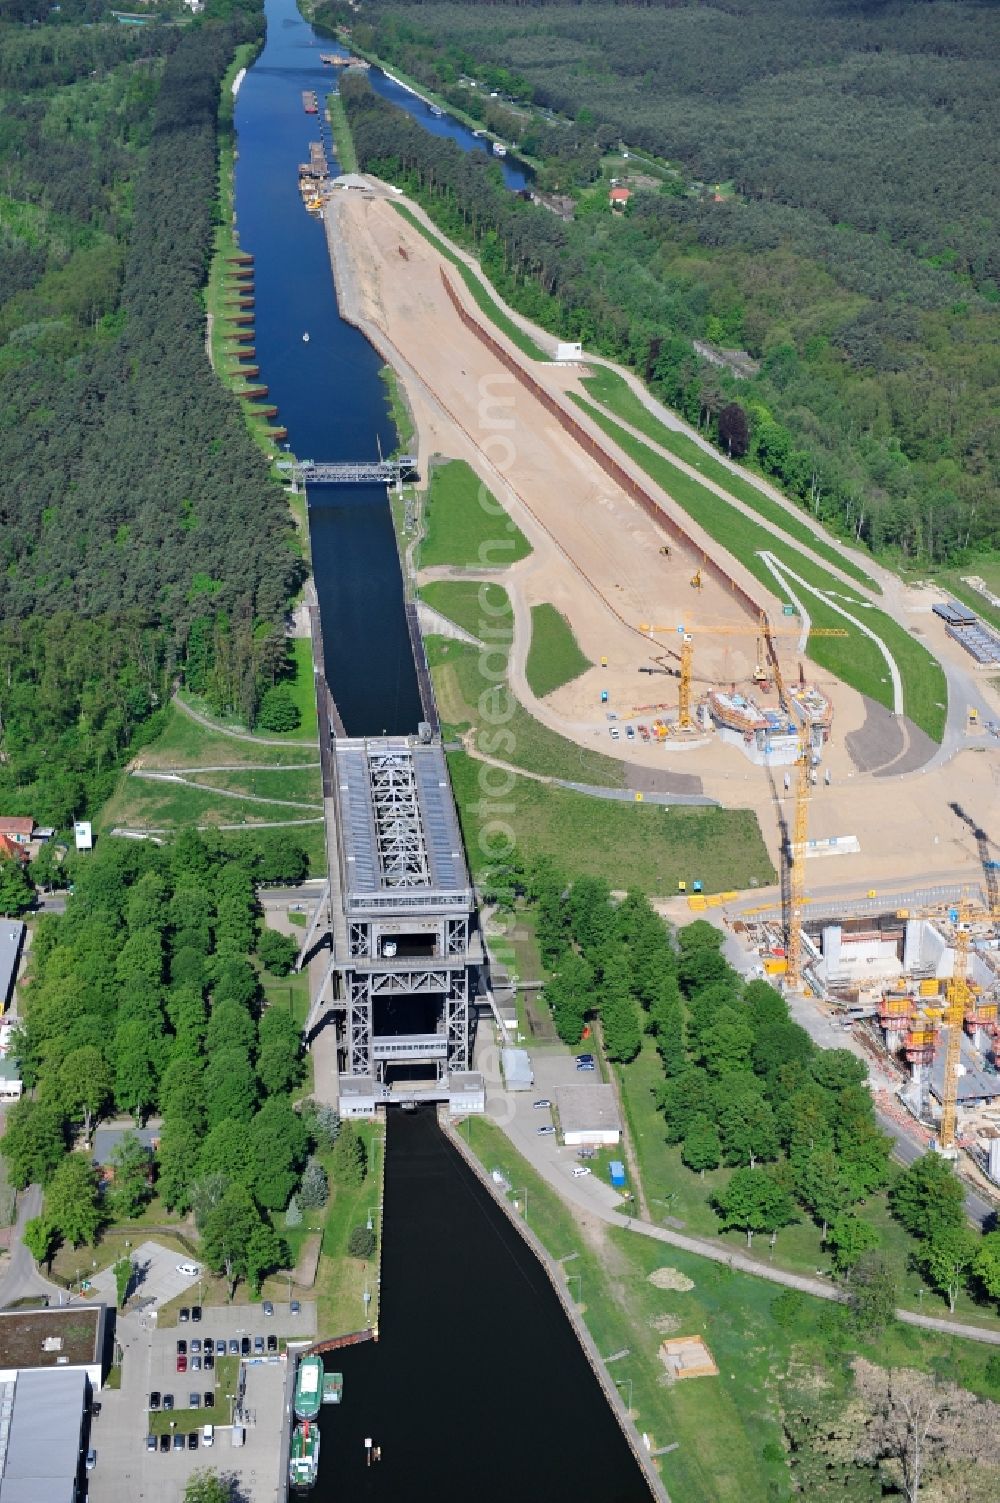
x=22, y=1279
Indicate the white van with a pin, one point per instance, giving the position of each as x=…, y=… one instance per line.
x=208, y=1435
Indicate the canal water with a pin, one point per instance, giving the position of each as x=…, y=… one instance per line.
x=327, y=390
x=477, y=1388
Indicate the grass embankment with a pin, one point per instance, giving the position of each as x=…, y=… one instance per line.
x=953, y=580
x=674, y=1190
x=465, y=525
x=554, y=657
x=471, y=692
x=613, y=392
x=488, y=304
x=399, y=411
x=855, y=659
x=632, y=845
x=343, y=141
x=342, y=1280
x=727, y=1428
x=245, y=766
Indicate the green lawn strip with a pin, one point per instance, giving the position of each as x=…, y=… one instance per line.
x=554, y=657
x=302, y=686
x=343, y=141
x=489, y=306
x=185, y=743
x=720, y=1423
x=399, y=410
x=288, y=992
x=465, y=524
x=168, y=806
x=632, y=845
x=855, y=659
x=342, y=1280
x=478, y=608
x=304, y=785
x=275, y=741
x=614, y=393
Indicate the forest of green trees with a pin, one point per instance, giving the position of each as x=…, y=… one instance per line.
x=852, y=249
x=145, y=997
x=138, y=517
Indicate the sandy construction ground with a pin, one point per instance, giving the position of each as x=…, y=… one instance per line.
x=596, y=557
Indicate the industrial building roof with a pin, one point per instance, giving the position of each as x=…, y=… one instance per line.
x=11, y=941
x=517, y=1071
x=54, y=1337
x=41, y=1422
x=398, y=826
x=587, y=1108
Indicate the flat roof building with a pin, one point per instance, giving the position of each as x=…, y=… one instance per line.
x=588, y=1115
x=12, y=933
x=41, y=1436
x=517, y=1072
x=67, y=1338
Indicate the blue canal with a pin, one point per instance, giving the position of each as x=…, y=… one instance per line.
x=328, y=391
x=477, y=1387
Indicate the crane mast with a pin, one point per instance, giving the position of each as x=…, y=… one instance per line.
x=958, y=999
x=796, y=872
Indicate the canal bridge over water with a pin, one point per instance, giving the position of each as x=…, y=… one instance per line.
x=352, y=471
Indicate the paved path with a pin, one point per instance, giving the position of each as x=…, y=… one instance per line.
x=249, y=798
x=22, y=1279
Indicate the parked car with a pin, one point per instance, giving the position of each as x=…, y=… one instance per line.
x=168, y=1402
x=614, y=733
x=209, y=1398
x=150, y=1442
x=182, y=1347
x=268, y=1307
x=545, y=1132
x=630, y=732
x=195, y=1346
x=294, y=1307
x=194, y=1400
x=220, y=1347
x=154, y=1399
x=196, y=1312
x=164, y=1443
x=585, y=1055
x=91, y=1459
x=245, y=1346
x=585, y=1153
x=234, y=1346
x=193, y=1441
x=196, y=1364
x=178, y=1441
x=543, y=1102
x=272, y=1343
x=258, y=1345
x=208, y=1435
x=183, y=1314
x=209, y=1360
x=182, y=1363
x=579, y=1170
x=585, y=1064
x=192, y=1270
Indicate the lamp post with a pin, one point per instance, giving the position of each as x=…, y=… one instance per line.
x=524, y=1192
x=579, y=1279
x=618, y=1384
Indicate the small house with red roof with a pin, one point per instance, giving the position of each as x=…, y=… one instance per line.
x=618, y=199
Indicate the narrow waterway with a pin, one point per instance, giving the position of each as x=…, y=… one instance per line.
x=477, y=1387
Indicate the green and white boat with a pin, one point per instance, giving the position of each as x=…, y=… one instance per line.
x=303, y=1459
x=308, y=1388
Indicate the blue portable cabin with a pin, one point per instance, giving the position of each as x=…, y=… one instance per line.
x=617, y=1171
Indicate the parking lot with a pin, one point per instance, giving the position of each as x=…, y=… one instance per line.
x=126, y=1470
x=158, y=1276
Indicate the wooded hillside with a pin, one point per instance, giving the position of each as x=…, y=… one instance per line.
x=135, y=505
x=817, y=192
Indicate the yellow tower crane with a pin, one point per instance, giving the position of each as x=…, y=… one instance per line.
x=796, y=857
x=762, y=630
x=958, y=999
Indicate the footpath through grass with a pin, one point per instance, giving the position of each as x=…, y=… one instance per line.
x=489, y=305
x=855, y=659
x=632, y=845
x=614, y=393
x=466, y=526
x=343, y=141
x=554, y=657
